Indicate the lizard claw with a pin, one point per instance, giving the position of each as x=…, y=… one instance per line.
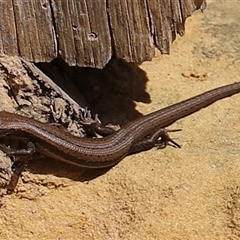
x=86, y=118
x=167, y=140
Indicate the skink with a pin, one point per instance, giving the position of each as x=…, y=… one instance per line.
x=139, y=135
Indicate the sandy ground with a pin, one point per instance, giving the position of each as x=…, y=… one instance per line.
x=188, y=193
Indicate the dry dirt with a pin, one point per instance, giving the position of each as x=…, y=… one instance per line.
x=188, y=193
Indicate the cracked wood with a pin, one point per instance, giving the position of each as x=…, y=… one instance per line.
x=90, y=32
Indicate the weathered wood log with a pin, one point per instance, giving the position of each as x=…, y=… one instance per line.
x=90, y=32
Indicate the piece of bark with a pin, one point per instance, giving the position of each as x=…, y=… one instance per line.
x=34, y=94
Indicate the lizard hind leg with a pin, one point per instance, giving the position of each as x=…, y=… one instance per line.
x=159, y=139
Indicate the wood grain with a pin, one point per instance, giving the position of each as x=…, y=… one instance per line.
x=90, y=32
